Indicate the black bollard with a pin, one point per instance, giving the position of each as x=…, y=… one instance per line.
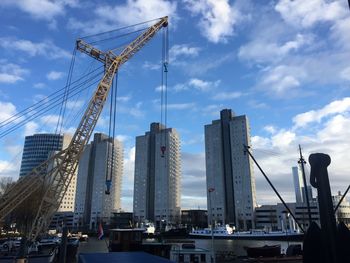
x=343, y=243
x=312, y=245
x=319, y=179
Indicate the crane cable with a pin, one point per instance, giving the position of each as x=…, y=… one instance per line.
x=111, y=134
x=40, y=103
x=164, y=90
x=47, y=108
x=65, y=95
x=119, y=29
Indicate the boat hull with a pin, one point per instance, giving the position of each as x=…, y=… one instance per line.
x=290, y=237
x=265, y=251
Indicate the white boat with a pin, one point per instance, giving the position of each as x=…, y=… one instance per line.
x=227, y=232
x=148, y=227
x=218, y=232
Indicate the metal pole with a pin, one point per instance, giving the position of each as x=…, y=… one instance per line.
x=210, y=190
x=273, y=188
x=22, y=251
x=342, y=198
x=302, y=162
x=63, y=251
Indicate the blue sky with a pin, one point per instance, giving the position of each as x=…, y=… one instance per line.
x=285, y=64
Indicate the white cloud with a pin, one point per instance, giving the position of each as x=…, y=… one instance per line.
x=46, y=48
x=288, y=58
x=134, y=111
x=195, y=83
x=307, y=13
x=151, y=66
x=135, y=11
x=227, y=95
x=128, y=179
x=54, y=75
x=340, y=33
x=41, y=9
x=217, y=20
x=203, y=85
x=278, y=152
x=193, y=183
x=267, y=50
x=39, y=85
x=205, y=64
x=11, y=73
x=282, y=79
x=73, y=105
x=182, y=50
x=283, y=139
x=270, y=129
x=257, y=105
x=40, y=97
x=124, y=98
x=7, y=110
x=123, y=138
x=345, y=74
x=333, y=108
x=50, y=120
x=30, y=128
x=181, y=106
x=9, y=168
x=212, y=110
x=109, y=17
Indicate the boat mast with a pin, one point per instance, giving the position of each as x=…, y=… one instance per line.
x=302, y=162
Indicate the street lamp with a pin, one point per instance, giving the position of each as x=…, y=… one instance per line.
x=210, y=190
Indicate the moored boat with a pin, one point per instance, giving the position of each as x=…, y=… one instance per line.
x=227, y=232
x=264, y=251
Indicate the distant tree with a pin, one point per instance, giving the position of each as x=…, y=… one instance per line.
x=5, y=183
x=25, y=213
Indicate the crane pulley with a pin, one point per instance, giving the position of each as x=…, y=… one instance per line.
x=56, y=173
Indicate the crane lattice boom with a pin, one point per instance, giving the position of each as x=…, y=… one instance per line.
x=56, y=173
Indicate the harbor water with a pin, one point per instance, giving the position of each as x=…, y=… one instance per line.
x=220, y=245
x=237, y=246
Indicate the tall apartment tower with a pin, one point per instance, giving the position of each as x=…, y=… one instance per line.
x=229, y=171
x=92, y=205
x=157, y=176
x=298, y=183
x=37, y=149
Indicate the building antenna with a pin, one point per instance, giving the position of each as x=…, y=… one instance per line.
x=302, y=162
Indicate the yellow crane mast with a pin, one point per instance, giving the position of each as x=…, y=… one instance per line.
x=55, y=174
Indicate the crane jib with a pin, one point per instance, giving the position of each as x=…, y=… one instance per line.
x=57, y=172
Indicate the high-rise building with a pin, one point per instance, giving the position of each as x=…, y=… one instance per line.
x=298, y=183
x=157, y=176
x=92, y=205
x=38, y=147
x=309, y=193
x=229, y=171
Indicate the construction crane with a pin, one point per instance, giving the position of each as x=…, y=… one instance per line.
x=55, y=174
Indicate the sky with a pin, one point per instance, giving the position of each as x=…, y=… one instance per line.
x=285, y=64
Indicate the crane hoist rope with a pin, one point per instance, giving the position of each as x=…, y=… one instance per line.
x=56, y=173
x=111, y=135
x=164, y=91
